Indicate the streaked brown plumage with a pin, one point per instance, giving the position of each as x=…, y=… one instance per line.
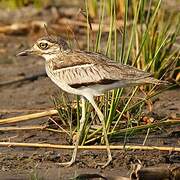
x=87, y=74
x=81, y=68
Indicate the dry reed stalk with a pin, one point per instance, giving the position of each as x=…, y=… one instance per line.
x=100, y=147
x=95, y=26
x=9, y=128
x=120, y=8
x=28, y=117
x=21, y=27
x=20, y=110
x=54, y=130
x=62, y=129
x=22, y=128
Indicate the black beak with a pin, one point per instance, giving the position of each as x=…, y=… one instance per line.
x=25, y=53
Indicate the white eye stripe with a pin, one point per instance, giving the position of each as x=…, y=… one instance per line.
x=43, y=41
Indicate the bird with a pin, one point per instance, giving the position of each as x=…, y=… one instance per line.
x=87, y=74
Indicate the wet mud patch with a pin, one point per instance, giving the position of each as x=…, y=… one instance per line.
x=41, y=163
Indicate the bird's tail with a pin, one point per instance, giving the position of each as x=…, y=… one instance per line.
x=151, y=80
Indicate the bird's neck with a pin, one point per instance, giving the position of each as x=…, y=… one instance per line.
x=49, y=57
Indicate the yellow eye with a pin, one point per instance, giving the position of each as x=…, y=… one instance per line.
x=43, y=45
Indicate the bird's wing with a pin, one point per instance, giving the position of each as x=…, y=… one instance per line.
x=93, y=70
x=120, y=69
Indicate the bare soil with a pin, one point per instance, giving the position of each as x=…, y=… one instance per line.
x=32, y=95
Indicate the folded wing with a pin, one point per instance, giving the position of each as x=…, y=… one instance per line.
x=94, y=68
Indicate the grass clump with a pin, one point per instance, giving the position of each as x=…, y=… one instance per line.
x=147, y=41
x=14, y=4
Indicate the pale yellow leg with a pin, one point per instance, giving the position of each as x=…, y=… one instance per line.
x=101, y=117
x=82, y=121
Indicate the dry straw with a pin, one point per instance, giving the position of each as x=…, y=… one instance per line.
x=112, y=147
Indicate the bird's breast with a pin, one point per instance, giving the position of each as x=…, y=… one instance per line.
x=60, y=82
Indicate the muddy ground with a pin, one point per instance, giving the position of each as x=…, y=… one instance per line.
x=33, y=95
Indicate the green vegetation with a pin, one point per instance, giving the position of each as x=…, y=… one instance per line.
x=147, y=41
x=13, y=4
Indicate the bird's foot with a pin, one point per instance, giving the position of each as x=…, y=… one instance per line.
x=66, y=164
x=103, y=165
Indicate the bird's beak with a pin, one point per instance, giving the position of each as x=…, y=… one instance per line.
x=26, y=52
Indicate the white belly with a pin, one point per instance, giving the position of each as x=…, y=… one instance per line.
x=99, y=89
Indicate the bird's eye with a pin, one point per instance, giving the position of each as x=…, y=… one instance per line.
x=43, y=45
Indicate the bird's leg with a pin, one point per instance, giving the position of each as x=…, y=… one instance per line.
x=82, y=121
x=101, y=117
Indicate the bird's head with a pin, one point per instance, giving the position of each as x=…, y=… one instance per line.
x=47, y=47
